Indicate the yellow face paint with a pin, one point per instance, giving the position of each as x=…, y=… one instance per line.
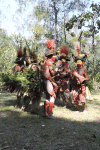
x=79, y=62
x=54, y=55
x=63, y=60
x=41, y=63
x=63, y=54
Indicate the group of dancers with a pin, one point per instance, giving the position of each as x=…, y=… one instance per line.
x=57, y=78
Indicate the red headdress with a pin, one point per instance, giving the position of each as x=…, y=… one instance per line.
x=50, y=44
x=64, y=51
x=19, y=52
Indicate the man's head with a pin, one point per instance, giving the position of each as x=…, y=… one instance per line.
x=79, y=63
x=64, y=59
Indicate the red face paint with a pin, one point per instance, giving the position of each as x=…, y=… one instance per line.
x=79, y=65
x=53, y=58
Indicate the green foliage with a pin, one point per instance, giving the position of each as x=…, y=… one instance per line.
x=41, y=12
x=33, y=78
x=37, y=30
x=7, y=52
x=96, y=37
x=87, y=34
x=10, y=81
x=73, y=34
x=90, y=83
x=28, y=79
x=95, y=8
x=70, y=23
x=9, y=78
x=97, y=77
x=86, y=16
x=98, y=24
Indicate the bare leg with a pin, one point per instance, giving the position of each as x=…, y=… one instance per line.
x=69, y=99
x=64, y=99
x=18, y=101
x=25, y=104
x=76, y=103
x=84, y=105
x=58, y=95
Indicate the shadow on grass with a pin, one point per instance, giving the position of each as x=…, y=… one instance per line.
x=8, y=101
x=32, y=132
x=68, y=105
x=23, y=131
x=12, y=102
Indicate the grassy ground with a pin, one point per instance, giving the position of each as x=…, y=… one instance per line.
x=21, y=130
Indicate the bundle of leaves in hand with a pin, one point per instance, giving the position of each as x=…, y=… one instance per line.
x=27, y=80
x=33, y=78
x=12, y=82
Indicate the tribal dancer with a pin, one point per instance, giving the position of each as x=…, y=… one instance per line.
x=47, y=76
x=80, y=77
x=35, y=95
x=65, y=74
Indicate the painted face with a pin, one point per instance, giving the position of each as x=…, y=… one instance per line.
x=53, y=58
x=79, y=63
x=63, y=60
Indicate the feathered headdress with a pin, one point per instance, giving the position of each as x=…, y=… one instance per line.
x=33, y=56
x=19, y=52
x=50, y=44
x=81, y=55
x=77, y=47
x=64, y=51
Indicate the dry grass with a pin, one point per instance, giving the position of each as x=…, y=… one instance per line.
x=69, y=131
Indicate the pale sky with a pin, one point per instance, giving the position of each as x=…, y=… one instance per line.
x=7, y=10
x=9, y=19
x=8, y=15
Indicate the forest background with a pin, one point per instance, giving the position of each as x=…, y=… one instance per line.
x=32, y=22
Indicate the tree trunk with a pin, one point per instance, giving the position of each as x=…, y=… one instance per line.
x=64, y=28
x=93, y=48
x=56, y=32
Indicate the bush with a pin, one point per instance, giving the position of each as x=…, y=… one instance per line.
x=90, y=83
x=97, y=77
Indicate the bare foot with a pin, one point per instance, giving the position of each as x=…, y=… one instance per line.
x=85, y=111
x=51, y=117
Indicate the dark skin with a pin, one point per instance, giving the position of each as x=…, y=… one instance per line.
x=67, y=70
x=80, y=76
x=80, y=70
x=48, y=72
x=62, y=88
